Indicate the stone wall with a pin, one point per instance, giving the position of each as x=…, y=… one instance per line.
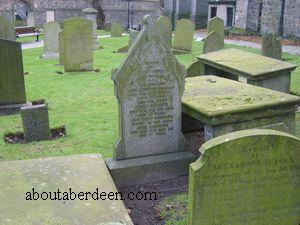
x=241, y=13
x=253, y=14
x=114, y=10
x=292, y=18
x=270, y=18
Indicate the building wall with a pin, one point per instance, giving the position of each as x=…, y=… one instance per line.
x=292, y=18
x=241, y=13
x=114, y=10
x=270, y=18
x=253, y=15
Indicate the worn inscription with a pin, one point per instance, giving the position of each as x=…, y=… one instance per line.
x=250, y=186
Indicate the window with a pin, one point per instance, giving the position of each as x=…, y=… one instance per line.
x=229, y=16
x=213, y=12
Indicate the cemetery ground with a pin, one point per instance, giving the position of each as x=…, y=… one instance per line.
x=85, y=103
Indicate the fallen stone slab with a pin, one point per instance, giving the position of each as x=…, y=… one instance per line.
x=23, y=180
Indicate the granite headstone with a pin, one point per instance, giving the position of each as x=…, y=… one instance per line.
x=12, y=86
x=212, y=43
x=7, y=31
x=36, y=123
x=116, y=29
x=164, y=28
x=248, y=177
x=78, y=44
x=51, y=40
x=216, y=25
x=184, y=35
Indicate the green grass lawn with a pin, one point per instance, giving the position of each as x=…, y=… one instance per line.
x=84, y=102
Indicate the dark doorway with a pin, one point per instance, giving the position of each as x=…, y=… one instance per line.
x=213, y=12
x=229, y=16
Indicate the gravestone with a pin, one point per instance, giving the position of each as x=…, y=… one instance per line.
x=164, y=28
x=36, y=123
x=7, y=30
x=51, y=40
x=216, y=25
x=184, y=35
x=107, y=26
x=78, y=45
x=116, y=29
x=212, y=43
x=272, y=46
x=91, y=14
x=132, y=36
x=149, y=86
x=248, y=177
x=61, y=47
x=12, y=86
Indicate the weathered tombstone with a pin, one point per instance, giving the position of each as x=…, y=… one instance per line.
x=35, y=123
x=116, y=29
x=164, y=28
x=78, y=45
x=149, y=86
x=216, y=25
x=51, y=40
x=91, y=14
x=107, y=26
x=12, y=86
x=132, y=36
x=272, y=46
x=7, y=30
x=61, y=47
x=184, y=35
x=246, y=177
x=212, y=43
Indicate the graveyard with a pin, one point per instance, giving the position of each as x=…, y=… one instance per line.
x=220, y=146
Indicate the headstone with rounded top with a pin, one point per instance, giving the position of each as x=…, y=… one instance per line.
x=216, y=25
x=212, y=43
x=51, y=40
x=116, y=29
x=7, y=30
x=91, y=14
x=164, y=28
x=184, y=35
x=272, y=46
x=78, y=44
x=246, y=177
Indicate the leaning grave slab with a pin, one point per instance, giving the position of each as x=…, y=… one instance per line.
x=12, y=85
x=224, y=105
x=51, y=40
x=81, y=173
x=78, y=45
x=247, y=177
x=149, y=86
x=7, y=30
x=248, y=68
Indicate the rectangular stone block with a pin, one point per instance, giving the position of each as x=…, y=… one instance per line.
x=36, y=123
x=80, y=173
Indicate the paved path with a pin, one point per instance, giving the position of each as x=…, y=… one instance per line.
x=38, y=44
x=294, y=50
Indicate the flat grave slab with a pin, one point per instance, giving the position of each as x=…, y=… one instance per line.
x=224, y=105
x=81, y=173
x=249, y=68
